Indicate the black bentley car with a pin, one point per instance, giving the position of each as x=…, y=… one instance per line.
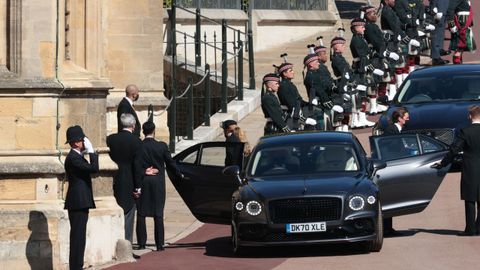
x=310, y=188
x=437, y=99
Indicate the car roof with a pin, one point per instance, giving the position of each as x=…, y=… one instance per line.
x=440, y=71
x=301, y=137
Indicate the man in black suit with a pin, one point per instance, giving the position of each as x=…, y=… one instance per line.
x=399, y=117
x=79, y=195
x=126, y=106
x=468, y=141
x=123, y=148
x=152, y=155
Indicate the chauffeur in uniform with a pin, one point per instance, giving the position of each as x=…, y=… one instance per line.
x=468, y=141
x=79, y=197
x=271, y=106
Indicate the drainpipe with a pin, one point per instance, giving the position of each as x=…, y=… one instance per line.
x=57, y=78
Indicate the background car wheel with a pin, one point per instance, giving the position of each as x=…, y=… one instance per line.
x=376, y=245
x=237, y=249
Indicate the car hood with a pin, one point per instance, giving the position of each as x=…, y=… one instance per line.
x=436, y=115
x=301, y=186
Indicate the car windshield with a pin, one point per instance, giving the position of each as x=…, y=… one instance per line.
x=307, y=158
x=447, y=88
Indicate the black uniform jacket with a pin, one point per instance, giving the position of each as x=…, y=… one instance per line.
x=288, y=95
x=78, y=170
x=155, y=154
x=316, y=86
x=125, y=107
x=390, y=21
x=468, y=141
x=361, y=51
x=123, y=148
x=374, y=36
x=455, y=6
x=271, y=109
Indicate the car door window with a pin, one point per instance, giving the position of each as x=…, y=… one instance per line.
x=190, y=158
x=213, y=156
x=430, y=145
x=395, y=147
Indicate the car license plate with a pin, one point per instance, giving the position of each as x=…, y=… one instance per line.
x=306, y=227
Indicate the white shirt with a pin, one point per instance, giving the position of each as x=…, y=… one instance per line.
x=399, y=127
x=129, y=101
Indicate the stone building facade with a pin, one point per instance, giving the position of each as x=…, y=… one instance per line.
x=65, y=62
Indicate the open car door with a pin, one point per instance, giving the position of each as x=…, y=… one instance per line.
x=204, y=189
x=408, y=183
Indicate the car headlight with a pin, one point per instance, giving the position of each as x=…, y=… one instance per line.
x=254, y=208
x=371, y=199
x=239, y=206
x=356, y=203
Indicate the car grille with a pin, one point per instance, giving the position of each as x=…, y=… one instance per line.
x=444, y=135
x=305, y=210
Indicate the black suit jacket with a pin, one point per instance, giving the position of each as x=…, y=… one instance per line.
x=156, y=154
x=468, y=141
x=125, y=107
x=78, y=170
x=123, y=148
x=391, y=129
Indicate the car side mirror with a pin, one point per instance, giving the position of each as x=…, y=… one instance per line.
x=233, y=170
x=376, y=165
x=383, y=100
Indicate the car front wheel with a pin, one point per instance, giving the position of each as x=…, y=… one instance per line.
x=237, y=249
x=376, y=244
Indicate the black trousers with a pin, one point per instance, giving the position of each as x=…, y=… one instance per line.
x=78, y=235
x=129, y=218
x=158, y=231
x=472, y=218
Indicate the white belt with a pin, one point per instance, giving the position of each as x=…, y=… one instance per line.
x=284, y=107
x=463, y=13
x=389, y=32
x=268, y=119
x=356, y=59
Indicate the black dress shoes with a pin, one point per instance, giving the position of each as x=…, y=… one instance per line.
x=160, y=248
x=141, y=247
x=439, y=62
x=444, y=52
x=135, y=256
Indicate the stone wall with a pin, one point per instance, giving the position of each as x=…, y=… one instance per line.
x=64, y=63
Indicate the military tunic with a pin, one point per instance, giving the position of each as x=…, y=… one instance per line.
x=288, y=95
x=271, y=109
x=374, y=36
x=316, y=87
x=360, y=53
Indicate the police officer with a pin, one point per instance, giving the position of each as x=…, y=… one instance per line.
x=271, y=106
x=290, y=98
x=460, y=22
x=363, y=67
x=375, y=39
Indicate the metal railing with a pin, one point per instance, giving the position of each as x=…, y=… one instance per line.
x=231, y=47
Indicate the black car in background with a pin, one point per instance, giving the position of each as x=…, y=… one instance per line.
x=437, y=99
x=310, y=188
